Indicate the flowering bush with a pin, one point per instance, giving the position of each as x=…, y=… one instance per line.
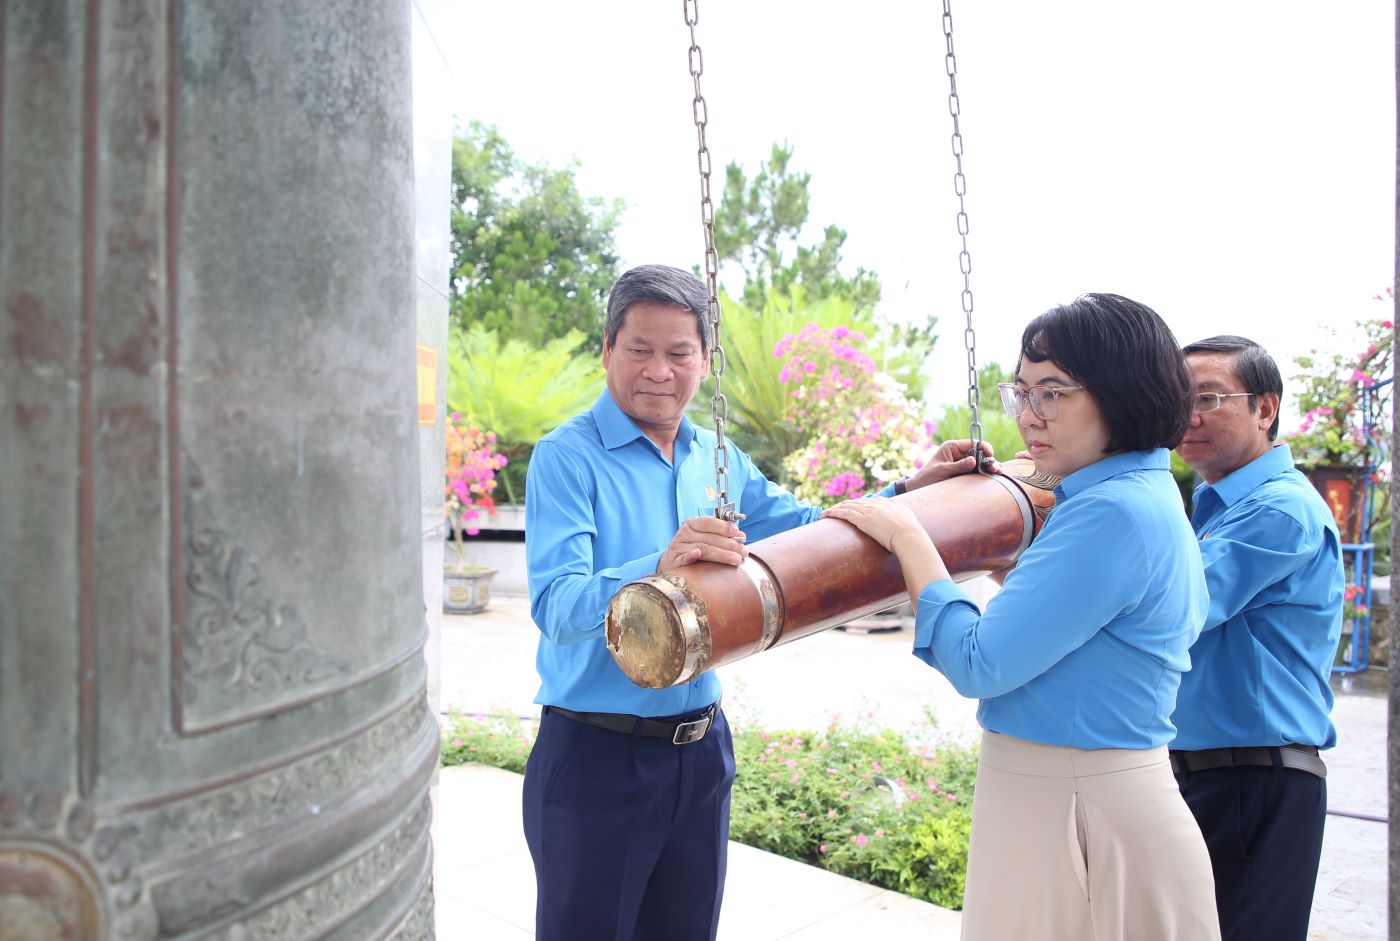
x=1333, y=427
x=864, y=431
x=870, y=805
x=758, y=402
x=889, y=809
x=472, y=463
x=500, y=741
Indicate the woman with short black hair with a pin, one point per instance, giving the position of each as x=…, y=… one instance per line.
x=1078, y=828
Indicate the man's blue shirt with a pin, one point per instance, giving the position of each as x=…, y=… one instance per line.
x=601, y=505
x=1085, y=644
x=1274, y=568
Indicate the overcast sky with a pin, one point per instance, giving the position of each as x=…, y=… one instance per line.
x=1231, y=164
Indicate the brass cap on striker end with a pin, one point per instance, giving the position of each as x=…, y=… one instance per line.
x=658, y=632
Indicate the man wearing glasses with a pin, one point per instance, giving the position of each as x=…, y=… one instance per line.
x=1255, y=707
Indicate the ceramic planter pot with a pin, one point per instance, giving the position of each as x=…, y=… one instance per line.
x=466, y=591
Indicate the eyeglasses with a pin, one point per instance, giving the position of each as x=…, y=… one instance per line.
x=1045, y=400
x=1203, y=402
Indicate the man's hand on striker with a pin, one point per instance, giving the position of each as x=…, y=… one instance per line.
x=704, y=538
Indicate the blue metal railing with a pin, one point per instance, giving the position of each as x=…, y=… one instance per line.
x=1355, y=654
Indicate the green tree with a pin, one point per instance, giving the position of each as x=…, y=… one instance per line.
x=757, y=226
x=531, y=256
x=998, y=427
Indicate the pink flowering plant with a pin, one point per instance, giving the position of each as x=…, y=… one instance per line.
x=863, y=431
x=1332, y=431
x=472, y=463
x=498, y=740
x=1353, y=606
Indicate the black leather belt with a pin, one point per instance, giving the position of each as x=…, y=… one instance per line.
x=1296, y=757
x=681, y=731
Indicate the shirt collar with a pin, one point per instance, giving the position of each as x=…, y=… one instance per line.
x=1111, y=466
x=617, y=428
x=1235, y=486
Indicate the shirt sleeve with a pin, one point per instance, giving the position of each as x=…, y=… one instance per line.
x=1248, y=552
x=568, y=599
x=1076, y=577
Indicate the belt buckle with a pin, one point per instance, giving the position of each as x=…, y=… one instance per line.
x=692, y=731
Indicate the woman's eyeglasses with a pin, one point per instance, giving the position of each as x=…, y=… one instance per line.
x=1044, y=400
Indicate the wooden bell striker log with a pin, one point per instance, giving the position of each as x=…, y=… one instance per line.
x=665, y=630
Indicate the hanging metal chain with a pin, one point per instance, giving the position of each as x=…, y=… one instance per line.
x=719, y=405
x=964, y=257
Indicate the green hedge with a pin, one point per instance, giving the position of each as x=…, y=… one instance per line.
x=889, y=809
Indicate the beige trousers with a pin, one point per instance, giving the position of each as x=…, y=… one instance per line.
x=1077, y=845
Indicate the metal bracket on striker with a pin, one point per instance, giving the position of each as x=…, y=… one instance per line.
x=1024, y=505
x=769, y=597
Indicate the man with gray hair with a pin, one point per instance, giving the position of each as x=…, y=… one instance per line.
x=1254, y=709
x=626, y=798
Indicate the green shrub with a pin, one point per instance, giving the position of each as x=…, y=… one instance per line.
x=998, y=428
x=519, y=391
x=889, y=809
x=924, y=856
x=1185, y=479
x=500, y=741
x=829, y=799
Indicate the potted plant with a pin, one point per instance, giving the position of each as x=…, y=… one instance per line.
x=1344, y=409
x=472, y=463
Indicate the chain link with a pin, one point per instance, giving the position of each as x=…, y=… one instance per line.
x=719, y=405
x=950, y=61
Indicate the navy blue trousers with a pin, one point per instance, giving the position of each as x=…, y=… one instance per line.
x=629, y=835
x=1263, y=827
